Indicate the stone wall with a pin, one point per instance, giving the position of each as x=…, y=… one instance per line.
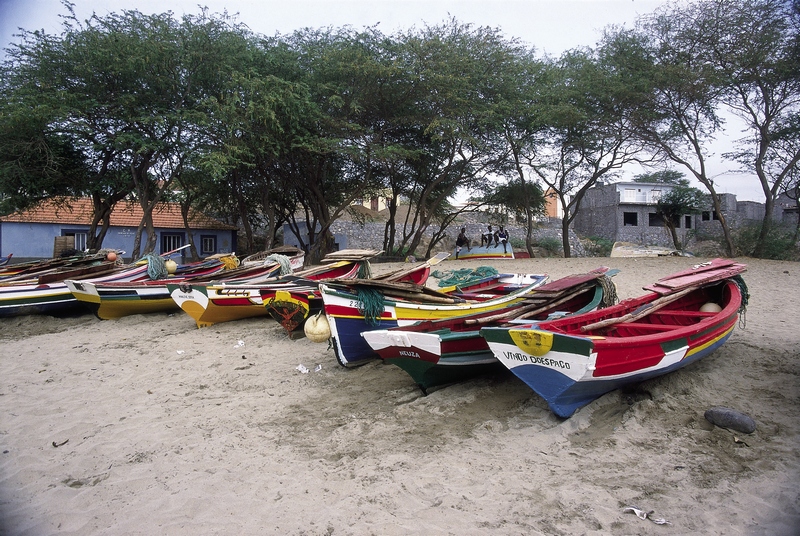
x=370, y=235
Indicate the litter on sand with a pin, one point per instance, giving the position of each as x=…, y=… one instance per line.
x=641, y=514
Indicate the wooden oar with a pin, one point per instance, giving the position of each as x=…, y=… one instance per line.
x=422, y=297
x=641, y=312
x=556, y=303
x=516, y=313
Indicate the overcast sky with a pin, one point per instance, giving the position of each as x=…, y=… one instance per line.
x=551, y=26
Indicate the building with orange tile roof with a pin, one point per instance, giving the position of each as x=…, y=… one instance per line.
x=33, y=233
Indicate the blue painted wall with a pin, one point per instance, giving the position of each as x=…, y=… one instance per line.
x=36, y=240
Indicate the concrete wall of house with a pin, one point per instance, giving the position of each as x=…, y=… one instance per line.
x=341, y=240
x=36, y=240
x=649, y=228
x=786, y=211
x=752, y=210
x=622, y=212
x=597, y=216
x=370, y=235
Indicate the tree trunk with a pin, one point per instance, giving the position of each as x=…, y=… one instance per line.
x=528, y=232
x=766, y=227
x=241, y=208
x=673, y=233
x=190, y=237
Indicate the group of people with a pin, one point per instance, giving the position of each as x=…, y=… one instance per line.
x=500, y=236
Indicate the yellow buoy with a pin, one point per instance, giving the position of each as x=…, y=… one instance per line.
x=171, y=266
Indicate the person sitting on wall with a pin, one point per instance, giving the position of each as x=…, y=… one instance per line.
x=461, y=241
x=501, y=237
x=487, y=237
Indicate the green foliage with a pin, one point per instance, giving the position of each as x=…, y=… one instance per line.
x=516, y=242
x=262, y=131
x=779, y=244
x=523, y=198
x=596, y=246
x=667, y=176
x=549, y=244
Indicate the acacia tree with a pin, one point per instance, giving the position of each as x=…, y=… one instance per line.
x=679, y=200
x=57, y=137
x=460, y=71
x=524, y=99
x=524, y=198
x=755, y=47
x=123, y=92
x=584, y=119
x=347, y=75
x=715, y=53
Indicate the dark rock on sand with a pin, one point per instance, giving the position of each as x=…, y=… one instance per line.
x=730, y=418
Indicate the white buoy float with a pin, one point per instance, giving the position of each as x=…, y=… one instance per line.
x=317, y=328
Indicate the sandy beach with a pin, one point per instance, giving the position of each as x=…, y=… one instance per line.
x=148, y=425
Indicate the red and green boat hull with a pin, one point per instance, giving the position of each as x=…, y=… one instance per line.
x=570, y=368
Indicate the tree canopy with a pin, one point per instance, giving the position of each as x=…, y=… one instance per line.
x=262, y=131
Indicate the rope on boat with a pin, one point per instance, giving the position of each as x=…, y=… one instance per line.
x=229, y=262
x=283, y=260
x=156, y=266
x=609, y=292
x=364, y=270
x=739, y=280
x=370, y=304
x=463, y=276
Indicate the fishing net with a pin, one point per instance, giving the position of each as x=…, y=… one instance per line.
x=364, y=270
x=156, y=266
x=283, y=260
x=463, y=276
x=370, y=304
x=739, y=280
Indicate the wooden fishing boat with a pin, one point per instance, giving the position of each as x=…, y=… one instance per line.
x=440, y=352
x=352, y=308
x=223, y=301
x=112, y=300
x=290, y=307
x=484, y=253
x=48, y=293
x=29, y=272
x=574, y=360
x=491, y=286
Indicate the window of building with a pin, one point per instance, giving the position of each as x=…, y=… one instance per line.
x=208, y=244
x=80, y=238
x=655, y=220
x=171, y=241
x=687, y=222
x=709, y=215
x=630, y=219
x=629, y=195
